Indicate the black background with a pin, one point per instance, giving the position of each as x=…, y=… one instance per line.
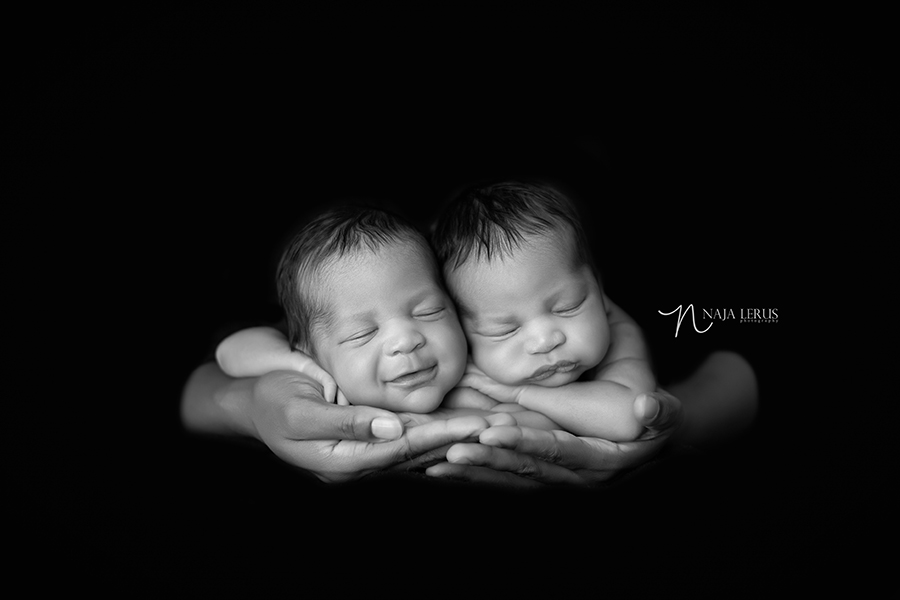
x=721, y=160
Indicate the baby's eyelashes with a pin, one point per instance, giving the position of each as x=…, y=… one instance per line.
x=430, y=313
x=364, y=335
x=361, y=336
x=498, y=335
x=569, y=309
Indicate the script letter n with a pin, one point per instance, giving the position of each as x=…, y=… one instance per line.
x=681, y=314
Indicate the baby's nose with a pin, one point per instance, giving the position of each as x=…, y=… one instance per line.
x=403, y=340
x=545, y=340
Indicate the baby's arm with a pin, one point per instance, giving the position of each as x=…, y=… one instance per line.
x=255, y=351
x=603, y=407
x=463, y=398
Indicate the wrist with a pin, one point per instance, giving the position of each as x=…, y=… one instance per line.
x=521, y=396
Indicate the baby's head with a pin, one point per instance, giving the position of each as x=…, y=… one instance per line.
x=517, y=263
x=362, y=294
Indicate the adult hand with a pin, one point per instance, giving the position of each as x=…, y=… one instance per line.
x=525, y=457
x=341, y=443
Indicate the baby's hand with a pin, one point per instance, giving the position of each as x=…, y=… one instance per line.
x=476, y=379
x=308, y=366
x=467, y=397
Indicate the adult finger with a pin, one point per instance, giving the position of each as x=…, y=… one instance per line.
x=309, y=419
x=435, y=455
x=329, y=388
x=555, y=447
x=658, y=410
x=418, y=441
x=483, y=475
x=424, y=460
x=501, y=459
x=293, y=404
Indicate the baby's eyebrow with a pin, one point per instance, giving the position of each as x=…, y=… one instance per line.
x=371, y=314
x=341, y=324
x=427, y=293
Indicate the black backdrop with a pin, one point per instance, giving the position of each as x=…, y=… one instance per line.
x=718, y=161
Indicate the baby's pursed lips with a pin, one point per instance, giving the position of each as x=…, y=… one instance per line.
x=563, y=366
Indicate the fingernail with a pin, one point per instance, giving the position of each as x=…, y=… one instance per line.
x=652, y=407
x=385, y=428
x=437, y=471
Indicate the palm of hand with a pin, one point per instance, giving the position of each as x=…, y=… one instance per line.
x=424, y=442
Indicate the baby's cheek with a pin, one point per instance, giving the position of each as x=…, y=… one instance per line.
x=483, y=358
x=357, y=381
x=500, y=363
x=597, y=343
x=452, y=353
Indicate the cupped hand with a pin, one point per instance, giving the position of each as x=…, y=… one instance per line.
x=341, y=443
x=525, y=457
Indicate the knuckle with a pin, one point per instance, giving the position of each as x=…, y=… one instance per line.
x=481, y=455
x=350, y=426
x=404, y=451
x=552, y=450
x=528, y=468
x=551, y=454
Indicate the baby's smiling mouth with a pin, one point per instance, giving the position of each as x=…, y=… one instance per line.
x=547, y=371
x=414, y=378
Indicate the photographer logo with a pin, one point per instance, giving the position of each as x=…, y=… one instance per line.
x=740, y=315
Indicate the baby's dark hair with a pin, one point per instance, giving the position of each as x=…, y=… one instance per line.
x=335, y=233
x=492, y=220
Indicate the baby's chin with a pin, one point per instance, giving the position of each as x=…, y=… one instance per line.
x=422, y=400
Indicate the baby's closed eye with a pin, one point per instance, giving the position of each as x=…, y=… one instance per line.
x=361, y=336
x=570, y=308
x=499, y=334
x=430, y=313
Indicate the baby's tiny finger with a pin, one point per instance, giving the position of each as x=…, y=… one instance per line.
x=329, y=389
x=506, y=460
x=501, y=419
x=470, y=380
x=342, y=399
x=471, y=368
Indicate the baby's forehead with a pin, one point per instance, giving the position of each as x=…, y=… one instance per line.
x=554, y=244
x=392, y=254
x=415, y=265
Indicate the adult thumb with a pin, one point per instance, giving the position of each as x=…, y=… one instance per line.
x=658, y=410
x=316, y=420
